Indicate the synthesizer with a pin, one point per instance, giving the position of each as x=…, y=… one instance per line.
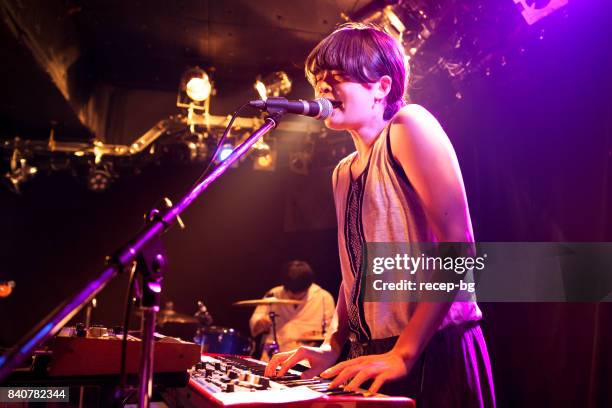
x=226, y=381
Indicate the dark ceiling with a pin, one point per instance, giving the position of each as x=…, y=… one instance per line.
x=144, y=45
x=149, y=43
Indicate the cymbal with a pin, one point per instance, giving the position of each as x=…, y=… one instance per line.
x=269, y=301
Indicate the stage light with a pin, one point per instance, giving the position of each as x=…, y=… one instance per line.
x=100, y=177
x=394, y=23
x=388, y=21
x=265, y=156
x=266, y=162
x=195, y=90
x=534, y=11
x=198, y=88
x=225, y=151
x=276, y=84
x=261, y=90
x=20, y=171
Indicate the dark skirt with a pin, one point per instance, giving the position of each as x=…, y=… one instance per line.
x=453, y=370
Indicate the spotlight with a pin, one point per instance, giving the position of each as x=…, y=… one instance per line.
x=6, y=288
x=195, y=90
x=198, y=88
x=533, y=11
x=265, y=156
x=276, y=84
x=225, y=151
x=100, y=177
x=261, y=90
x=266, y=162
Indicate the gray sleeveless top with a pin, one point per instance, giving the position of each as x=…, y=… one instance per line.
x=380, y=206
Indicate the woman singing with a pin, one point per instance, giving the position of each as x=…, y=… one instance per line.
x=402, y=184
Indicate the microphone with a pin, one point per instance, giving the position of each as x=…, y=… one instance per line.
x=321, y=108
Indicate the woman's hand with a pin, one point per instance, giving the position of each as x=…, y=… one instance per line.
x=319, y=359
x=379, y=367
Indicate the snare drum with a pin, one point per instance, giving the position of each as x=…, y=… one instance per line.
x=224, y=340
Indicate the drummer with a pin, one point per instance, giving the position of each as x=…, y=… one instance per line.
x=294, y=323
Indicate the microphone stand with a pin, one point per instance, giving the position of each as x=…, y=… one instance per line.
x=147, y=251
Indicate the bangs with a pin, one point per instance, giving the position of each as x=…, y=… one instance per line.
x=347, y=51
x=363, y=53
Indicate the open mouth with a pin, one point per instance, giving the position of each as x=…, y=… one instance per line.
x=336, y=104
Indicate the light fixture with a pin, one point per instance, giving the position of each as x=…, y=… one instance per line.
x=20, y=171
x=534, y=11
x=388, y=21
x=100, y=177
x=198, y=88
x=264, y=156
x=189, y=147
x=266, y=162
x=225, y=151
x=195, y=90
x=276, y=84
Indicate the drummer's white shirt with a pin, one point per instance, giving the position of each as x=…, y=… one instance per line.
x=294, y=322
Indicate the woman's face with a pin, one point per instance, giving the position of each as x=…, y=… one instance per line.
x=357, y=100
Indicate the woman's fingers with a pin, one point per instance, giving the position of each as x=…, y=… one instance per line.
x=345, y=375
x=378, y=382
x=333, y=371
x=275, y=361
x=296, y=357
x=359, y=379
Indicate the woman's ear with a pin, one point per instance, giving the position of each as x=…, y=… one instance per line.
x=383, y=87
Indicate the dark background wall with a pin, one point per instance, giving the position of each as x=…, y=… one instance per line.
x=535, y=145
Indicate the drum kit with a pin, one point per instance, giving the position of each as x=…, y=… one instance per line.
x=223, y=340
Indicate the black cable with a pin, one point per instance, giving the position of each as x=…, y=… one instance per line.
x=126, y=321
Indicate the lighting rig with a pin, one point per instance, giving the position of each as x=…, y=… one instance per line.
x=447, y=43
x=189, y=137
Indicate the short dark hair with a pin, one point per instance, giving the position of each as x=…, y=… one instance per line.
x=297, y=276
x=365, y=53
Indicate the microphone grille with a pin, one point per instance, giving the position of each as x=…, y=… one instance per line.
x=326, y=108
